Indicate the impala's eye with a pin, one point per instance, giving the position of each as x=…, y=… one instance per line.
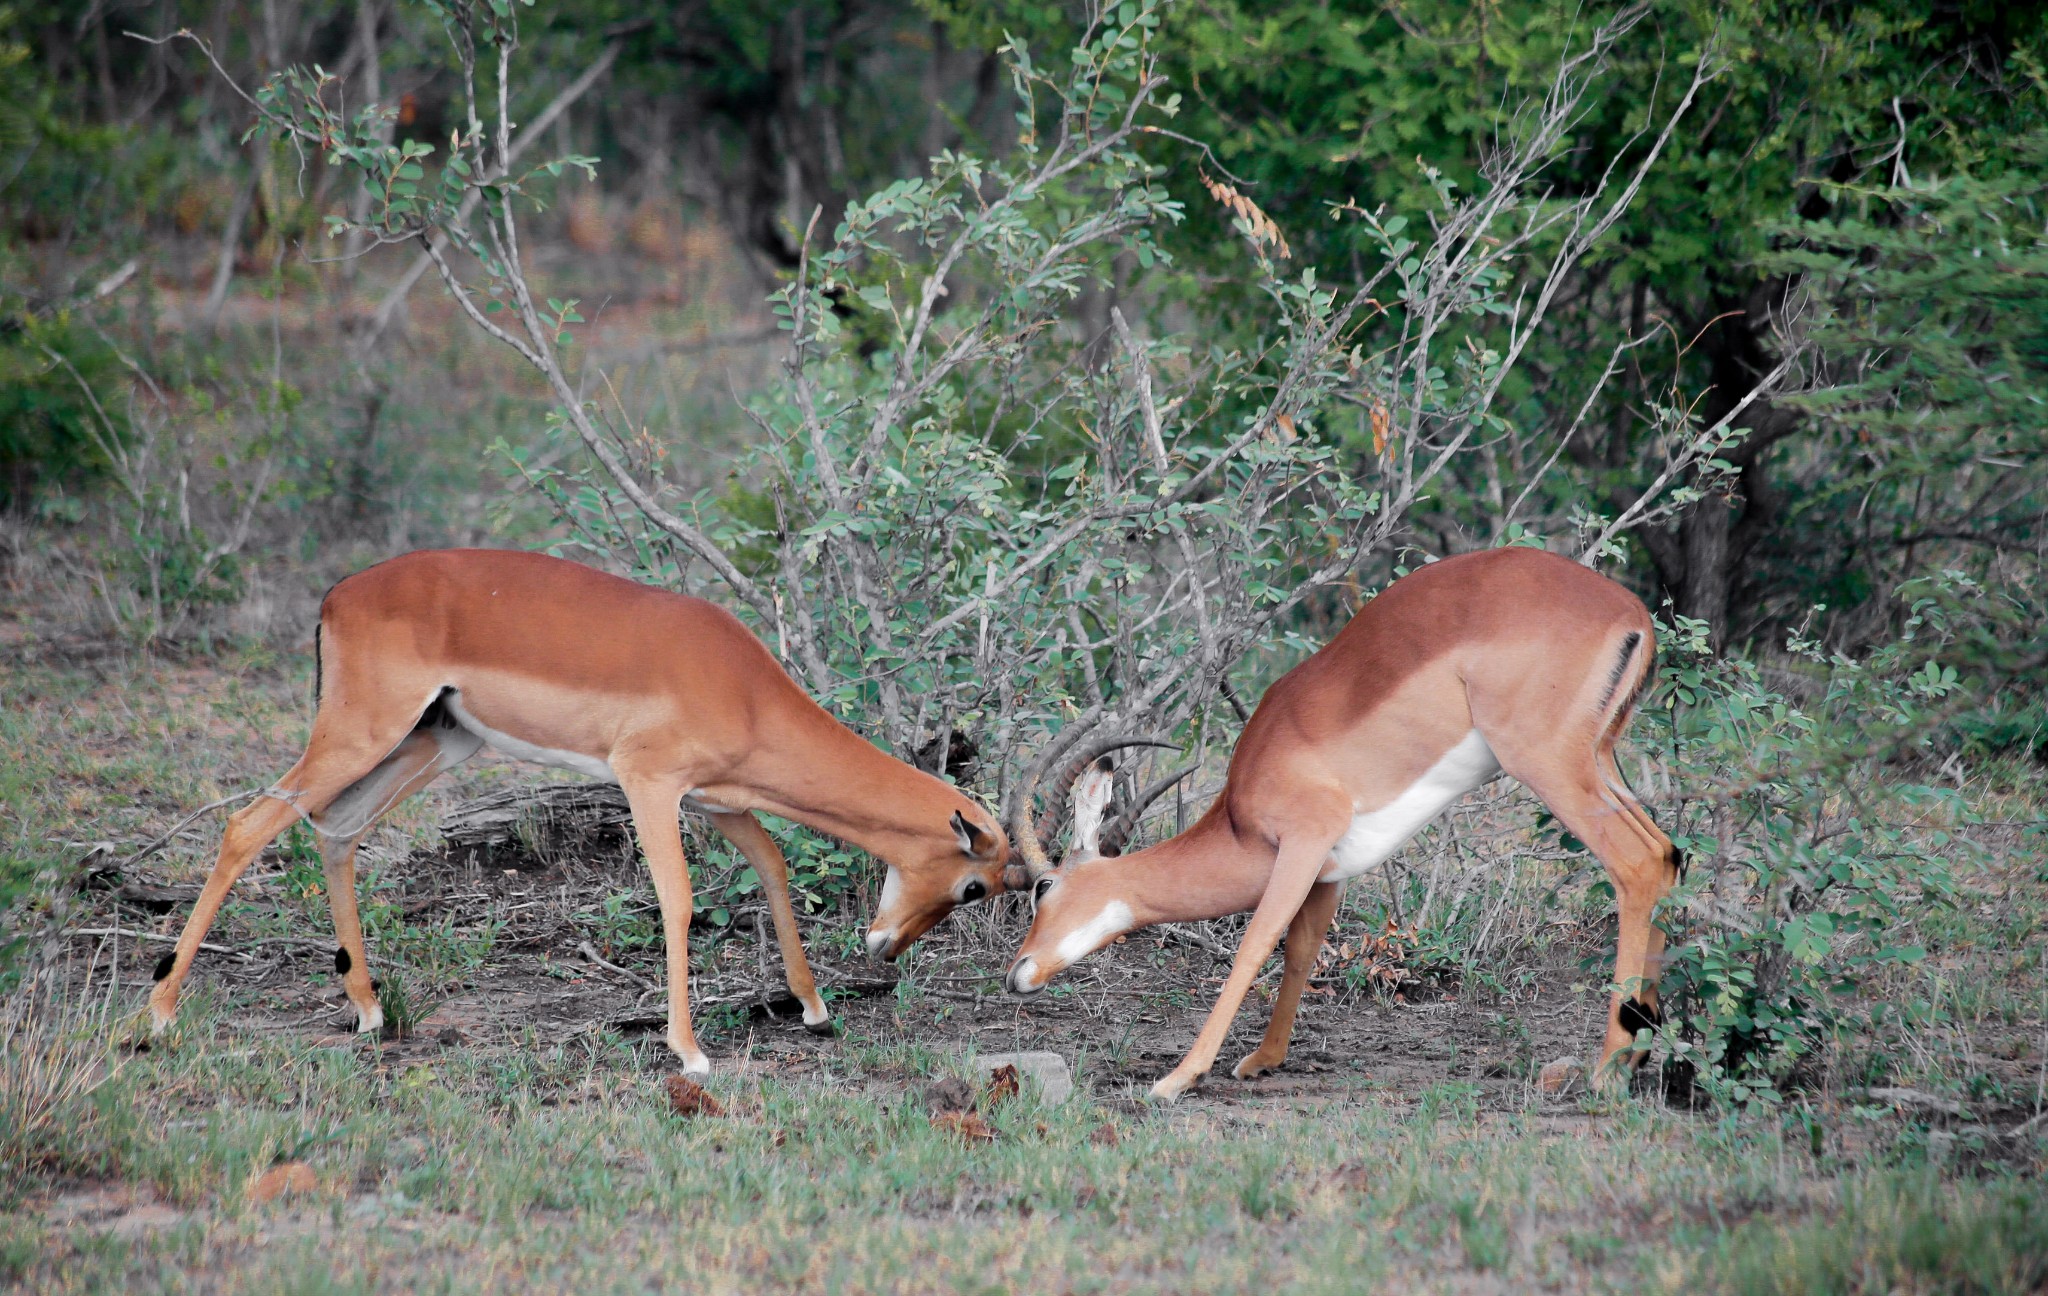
x=1044, y=885
x=973, y=891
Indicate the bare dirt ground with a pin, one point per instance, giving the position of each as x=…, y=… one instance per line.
x=1123, y=1018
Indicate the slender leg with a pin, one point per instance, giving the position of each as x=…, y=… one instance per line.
x=1304, y=942
x=656, y=804
x=1642, y=865
x=328, y=767
x=1301, y=858
x=424, y=756
x=1653, y=955
x=746, y=832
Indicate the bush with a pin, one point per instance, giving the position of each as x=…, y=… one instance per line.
x=1815, y=847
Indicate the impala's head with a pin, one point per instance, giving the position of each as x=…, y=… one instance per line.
x=1076, y=905
x=931, y=876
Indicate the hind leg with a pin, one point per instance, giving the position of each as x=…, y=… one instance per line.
x=338, y=754
x=306, y=787
x=1304, y=942
x=1653, y=950
x=427, y=752
x=1640, y=862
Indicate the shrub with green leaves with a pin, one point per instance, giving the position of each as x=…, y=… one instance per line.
x=1815, y=849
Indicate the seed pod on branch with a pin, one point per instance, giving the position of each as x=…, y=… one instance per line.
x=1259, y=227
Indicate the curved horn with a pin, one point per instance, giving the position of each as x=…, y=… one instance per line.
x=1118, y=831
x=1028, y=832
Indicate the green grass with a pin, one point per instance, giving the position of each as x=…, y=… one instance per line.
x=559, y=1168
x=1906, y=1232
x=527, y=1162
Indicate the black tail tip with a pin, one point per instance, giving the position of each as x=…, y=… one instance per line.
x=163, y=966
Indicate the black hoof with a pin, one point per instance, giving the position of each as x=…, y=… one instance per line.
x=827, y=1028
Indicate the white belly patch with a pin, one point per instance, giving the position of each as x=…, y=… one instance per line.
x=519, y=749
x=1375, y=835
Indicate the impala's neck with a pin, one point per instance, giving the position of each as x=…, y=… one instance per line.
x=1205, y=872
x=829, y=778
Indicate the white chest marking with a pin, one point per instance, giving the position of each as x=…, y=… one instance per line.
x=1113, y=921
x=1375, y=835
x=520, y=749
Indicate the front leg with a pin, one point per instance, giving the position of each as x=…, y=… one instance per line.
x=1303, y=853
x=746, y=832
x=1304, y=942
x=656, y=804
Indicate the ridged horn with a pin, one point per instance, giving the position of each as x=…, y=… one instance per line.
x=1028, y=832
x=1117, y=832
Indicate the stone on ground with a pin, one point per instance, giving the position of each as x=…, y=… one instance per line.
x=1562, y=1078
x=1047, y=1070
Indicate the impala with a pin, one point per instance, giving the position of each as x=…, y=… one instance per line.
x=1510, y=660
x=426, y=658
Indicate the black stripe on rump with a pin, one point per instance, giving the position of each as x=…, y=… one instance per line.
x=1629, y=643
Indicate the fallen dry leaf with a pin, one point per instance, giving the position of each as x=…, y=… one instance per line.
x=1106, y=1136
x=688, y=1098
x=969, y=1127
x=1002, y=1084
x=280, y=1180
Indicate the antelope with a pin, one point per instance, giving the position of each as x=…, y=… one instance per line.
x=1508, y=661
x=425, y=659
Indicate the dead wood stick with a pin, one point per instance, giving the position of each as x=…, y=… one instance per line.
x=585, y=949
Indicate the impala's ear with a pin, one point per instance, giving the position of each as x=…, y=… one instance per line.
x=976, y=842
x=1092, y=793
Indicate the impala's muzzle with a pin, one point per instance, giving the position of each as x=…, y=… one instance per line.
x=1022, y=978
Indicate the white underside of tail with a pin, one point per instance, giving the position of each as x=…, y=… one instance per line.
x=1375, y=835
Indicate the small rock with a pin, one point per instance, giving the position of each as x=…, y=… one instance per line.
x=1562, y=1078
x=949, y=1095
x=282, y=1180
x=688, y=1098
x=1048, y=1070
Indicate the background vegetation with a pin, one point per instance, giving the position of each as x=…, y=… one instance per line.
x=1024, y=373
